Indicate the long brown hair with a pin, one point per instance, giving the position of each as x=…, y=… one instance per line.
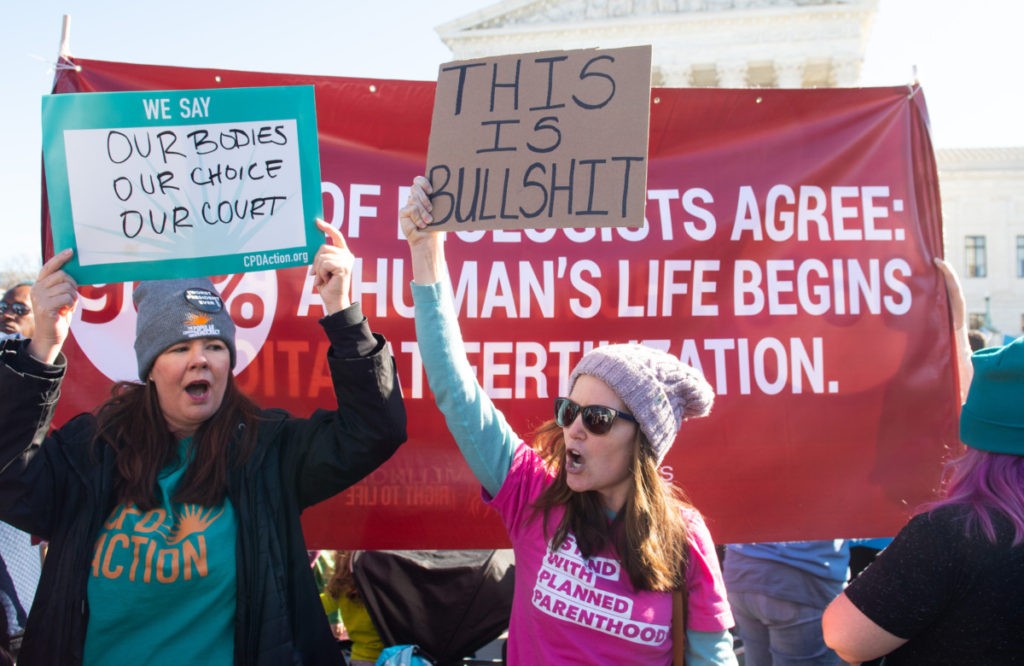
x=649, y=535
x=132, y=423
x=342, y=580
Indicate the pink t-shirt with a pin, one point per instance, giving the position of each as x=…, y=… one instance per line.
x=568, y=609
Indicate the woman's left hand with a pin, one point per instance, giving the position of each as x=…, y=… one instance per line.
x=54, y=298
x=332, y=268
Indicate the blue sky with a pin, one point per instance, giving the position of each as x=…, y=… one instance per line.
x=966, y=54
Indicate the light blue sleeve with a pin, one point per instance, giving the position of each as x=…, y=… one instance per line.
x=486, y=440
x=709, y=648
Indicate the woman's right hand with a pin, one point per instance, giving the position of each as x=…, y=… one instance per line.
x=425, y=246
x=54, y=298
x=332, y=269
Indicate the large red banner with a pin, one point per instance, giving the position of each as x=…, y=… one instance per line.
x=787, y=253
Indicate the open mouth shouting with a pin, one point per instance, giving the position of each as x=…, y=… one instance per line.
x=198, y=390
x=573, y=461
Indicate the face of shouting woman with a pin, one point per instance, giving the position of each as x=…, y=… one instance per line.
x=600, y=463
x=190, y=379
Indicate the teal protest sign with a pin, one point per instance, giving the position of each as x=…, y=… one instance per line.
x=158, y=184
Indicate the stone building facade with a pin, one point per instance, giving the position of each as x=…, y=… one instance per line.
x=983, y=223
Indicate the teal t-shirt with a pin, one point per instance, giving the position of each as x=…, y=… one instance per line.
x=162, y=584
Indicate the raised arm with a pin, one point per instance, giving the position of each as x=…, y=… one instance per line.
x=54, y=298
x=31, y=372
x=484, y=437
x=958, y=312
x=334, y=449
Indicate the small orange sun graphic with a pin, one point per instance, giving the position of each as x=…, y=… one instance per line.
x=192, y=520
x=196, y=319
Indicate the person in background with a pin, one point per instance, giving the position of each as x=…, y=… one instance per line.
x=947, y=590
x=20, y=565
x=20, y=556
x=173, y=511
x=341, y=595
x=778, y=591
x=607, y=554
x=6, y=655
x=976, y=339
x=16, y=319
x=321, y=563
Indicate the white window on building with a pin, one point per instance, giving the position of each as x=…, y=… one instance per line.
x=974, y=255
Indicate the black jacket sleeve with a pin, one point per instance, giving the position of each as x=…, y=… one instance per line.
x=29, y=390
x=333, y=450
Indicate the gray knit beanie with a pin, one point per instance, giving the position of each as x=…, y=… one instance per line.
x=658, y=389
x=171, y=311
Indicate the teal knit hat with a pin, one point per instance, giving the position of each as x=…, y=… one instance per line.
x=992, y=419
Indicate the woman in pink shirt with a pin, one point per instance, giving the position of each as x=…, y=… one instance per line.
x=605, y=548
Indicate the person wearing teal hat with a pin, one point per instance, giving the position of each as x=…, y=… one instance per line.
x=948, y=589
x=992, y=419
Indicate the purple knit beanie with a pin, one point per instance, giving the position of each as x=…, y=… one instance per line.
x=658, y=389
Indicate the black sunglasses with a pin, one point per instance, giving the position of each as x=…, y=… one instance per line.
x=597, y=419
x=19, y=309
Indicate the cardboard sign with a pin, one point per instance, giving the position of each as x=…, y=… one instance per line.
x=553, y=139
x=148, y=185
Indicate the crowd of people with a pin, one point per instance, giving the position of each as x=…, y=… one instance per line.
x=180, y=478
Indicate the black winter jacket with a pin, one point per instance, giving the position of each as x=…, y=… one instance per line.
x=58, y=486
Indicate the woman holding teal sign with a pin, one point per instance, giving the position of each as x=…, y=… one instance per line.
x=173, y=511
